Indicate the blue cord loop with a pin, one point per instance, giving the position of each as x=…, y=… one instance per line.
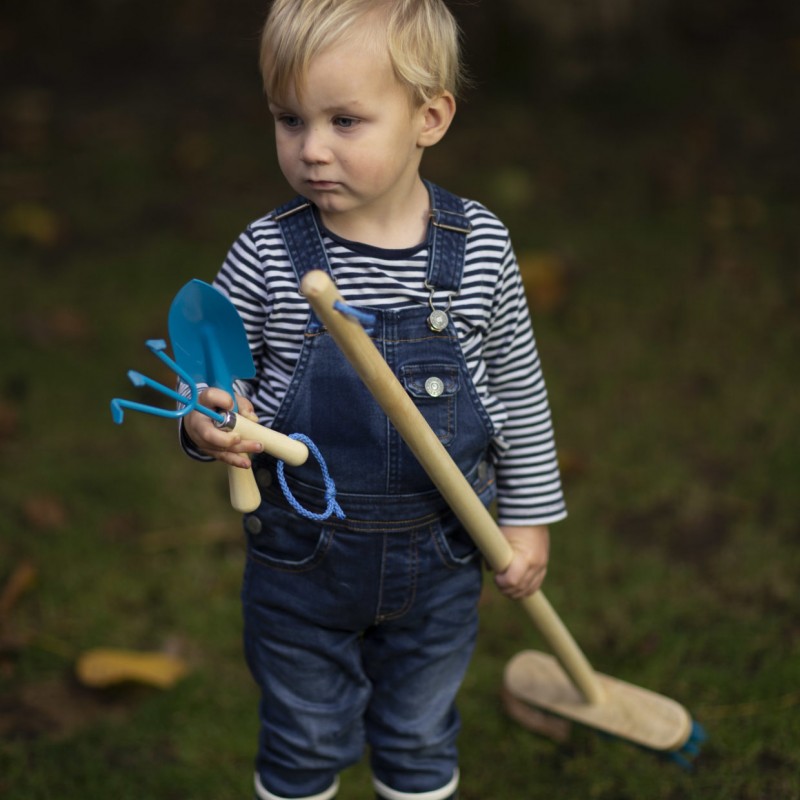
x=330, y=489
x=364, y=317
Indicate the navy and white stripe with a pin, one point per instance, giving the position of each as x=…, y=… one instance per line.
x=490, y=314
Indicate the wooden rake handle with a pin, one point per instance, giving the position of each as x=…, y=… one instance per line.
x=370, y=366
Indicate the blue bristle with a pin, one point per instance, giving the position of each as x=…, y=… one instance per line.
x=682, y=762
x=699, y=734
x=691, y=747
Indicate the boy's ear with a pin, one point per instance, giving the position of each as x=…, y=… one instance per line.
x=437, y=114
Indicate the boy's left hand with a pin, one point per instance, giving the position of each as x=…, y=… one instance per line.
x=525, y=574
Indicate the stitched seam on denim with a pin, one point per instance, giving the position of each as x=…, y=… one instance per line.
x=446, y=557
x=411, y=594
x=416, y=340
x=385, y=526
x=451, y=421
x=294, y=567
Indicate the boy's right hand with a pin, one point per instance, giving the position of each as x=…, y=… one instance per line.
x=225, y=446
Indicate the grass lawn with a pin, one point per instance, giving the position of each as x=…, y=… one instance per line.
x=660, y=247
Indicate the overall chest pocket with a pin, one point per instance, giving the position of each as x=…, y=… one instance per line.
x=434, y=389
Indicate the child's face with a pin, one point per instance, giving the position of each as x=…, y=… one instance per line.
x=351, y=143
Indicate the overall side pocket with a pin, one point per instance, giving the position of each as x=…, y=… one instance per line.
x=281, y=539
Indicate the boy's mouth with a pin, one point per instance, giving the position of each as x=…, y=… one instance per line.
x=322, y=185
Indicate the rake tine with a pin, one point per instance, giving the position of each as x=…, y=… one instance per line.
x=137, y=379
x=185, y=404
x=188, y=403
x=118, y=404
x=158, y=348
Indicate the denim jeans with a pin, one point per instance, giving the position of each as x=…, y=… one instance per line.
x=358, y=633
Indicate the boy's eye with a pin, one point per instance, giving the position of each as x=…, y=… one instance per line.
x=289, y=120
x=345, y=122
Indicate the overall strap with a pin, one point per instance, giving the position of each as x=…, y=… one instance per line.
x=302, y=237
x=447, y=240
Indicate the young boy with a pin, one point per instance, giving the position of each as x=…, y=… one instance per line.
x=360, y=630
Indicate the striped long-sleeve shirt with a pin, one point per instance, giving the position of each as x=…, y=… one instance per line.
x=490, y=314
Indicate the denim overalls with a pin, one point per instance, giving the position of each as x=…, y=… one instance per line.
x=362, y=628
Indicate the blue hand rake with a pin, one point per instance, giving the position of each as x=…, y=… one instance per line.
x=277, y=444
x=291, y=450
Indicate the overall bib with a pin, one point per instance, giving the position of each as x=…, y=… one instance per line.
x=360, y=629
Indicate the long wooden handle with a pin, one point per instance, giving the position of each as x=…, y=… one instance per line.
x=376, y=374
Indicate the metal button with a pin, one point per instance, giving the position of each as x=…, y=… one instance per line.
x=438, y=320
x=264, y=478
x=434, y=386
x=252, y=525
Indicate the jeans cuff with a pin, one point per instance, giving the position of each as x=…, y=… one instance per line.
x=263, y=794
x=445, y=793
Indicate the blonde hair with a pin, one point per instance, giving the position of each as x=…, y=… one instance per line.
x=421, y=36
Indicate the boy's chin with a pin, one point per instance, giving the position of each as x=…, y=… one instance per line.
x=329, y=202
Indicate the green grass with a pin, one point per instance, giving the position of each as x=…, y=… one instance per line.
x=670, y=362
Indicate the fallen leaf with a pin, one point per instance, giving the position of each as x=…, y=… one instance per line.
x=34, y=223
x=545, y=278
x=20, y=581
x=571, y=464
x=44, y=512
x=103, y=667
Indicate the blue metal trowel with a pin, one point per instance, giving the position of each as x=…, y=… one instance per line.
x=209, y=343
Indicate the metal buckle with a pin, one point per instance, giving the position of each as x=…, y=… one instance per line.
x=438, y=319
x=434, y=215
x=279, y=217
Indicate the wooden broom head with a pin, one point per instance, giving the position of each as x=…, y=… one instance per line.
x=628, y=712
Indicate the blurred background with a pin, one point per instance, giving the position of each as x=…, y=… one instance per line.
x=645, y=158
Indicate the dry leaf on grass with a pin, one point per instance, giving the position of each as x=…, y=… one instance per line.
x=20, y=581
x=34, y=223
x=44, y=512
x=545, y=278
x=103, y=667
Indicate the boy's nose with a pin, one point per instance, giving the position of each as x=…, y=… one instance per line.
x=315, y=150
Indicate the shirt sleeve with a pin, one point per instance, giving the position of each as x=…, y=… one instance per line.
x=528, y=477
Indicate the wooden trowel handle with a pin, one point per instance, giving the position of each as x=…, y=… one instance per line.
x=378, y=377
x=245, y=494
x=276, y=444
x=244, y=491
